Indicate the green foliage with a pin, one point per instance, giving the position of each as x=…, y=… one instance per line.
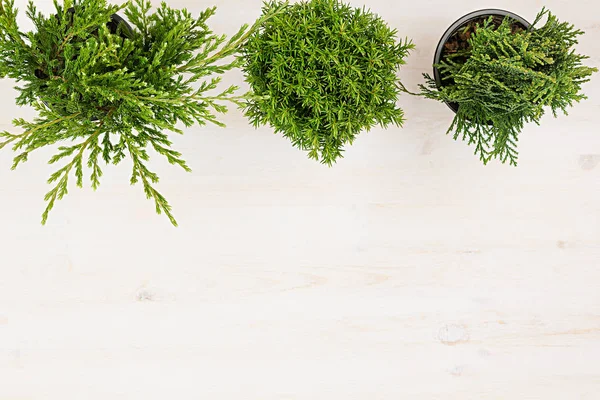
x=507, y=80
x=105, y=94
x=322, y=72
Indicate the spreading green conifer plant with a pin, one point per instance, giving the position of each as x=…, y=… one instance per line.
x=506, y=77
x=322, y=72
x=105, y=94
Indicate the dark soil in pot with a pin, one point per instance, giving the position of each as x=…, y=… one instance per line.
x=456, y=38
x=116, y=22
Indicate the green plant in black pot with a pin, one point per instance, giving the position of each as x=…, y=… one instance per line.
x=498, y=73
x=105, y=91
x=322, y=72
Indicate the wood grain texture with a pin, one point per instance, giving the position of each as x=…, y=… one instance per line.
x=407, y=271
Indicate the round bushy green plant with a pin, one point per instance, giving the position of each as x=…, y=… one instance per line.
x=506, y=77
x=322, y=72
x=105, y=92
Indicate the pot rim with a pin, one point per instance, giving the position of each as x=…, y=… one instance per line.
x=120, y=20
x=454, y=27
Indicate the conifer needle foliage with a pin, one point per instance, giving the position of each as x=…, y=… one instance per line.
x=507, y=80
x=104, y=94
x=322, y=72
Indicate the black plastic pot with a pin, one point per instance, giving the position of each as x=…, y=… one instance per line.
x=115, y=21
x=460, y=23
x=113, y=26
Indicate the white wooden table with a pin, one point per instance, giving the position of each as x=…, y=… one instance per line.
x=407, y=271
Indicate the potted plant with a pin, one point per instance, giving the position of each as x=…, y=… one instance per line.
x=321, y=72
x=498, y=72
x=105, y=90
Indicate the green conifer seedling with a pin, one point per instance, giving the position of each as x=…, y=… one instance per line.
x=103, y=95
x=322, y=72
x=506, y=78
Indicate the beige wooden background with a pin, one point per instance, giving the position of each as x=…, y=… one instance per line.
x=407, y=271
